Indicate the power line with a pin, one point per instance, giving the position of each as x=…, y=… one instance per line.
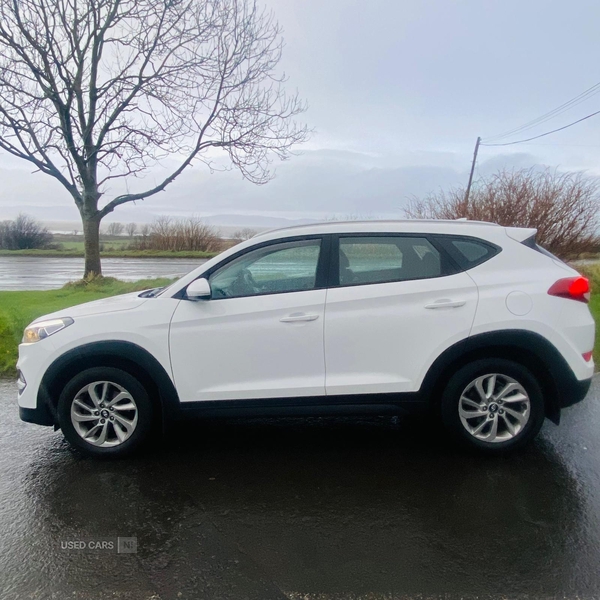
x=540, y=120
x=561, y=145
x=585, y=95
x=545, y=134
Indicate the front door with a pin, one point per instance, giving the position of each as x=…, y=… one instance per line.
x=260, y=335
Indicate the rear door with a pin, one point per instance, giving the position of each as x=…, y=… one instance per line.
x=395, y=302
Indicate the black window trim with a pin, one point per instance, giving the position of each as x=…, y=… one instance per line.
x=321, y=278
x=531, y=242
x=334, y=267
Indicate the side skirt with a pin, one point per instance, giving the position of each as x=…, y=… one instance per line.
x=317, y=406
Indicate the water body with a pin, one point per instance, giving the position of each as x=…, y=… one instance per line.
x=46, y=273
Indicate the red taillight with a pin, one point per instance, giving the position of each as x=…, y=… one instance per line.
x=587, y=356
x=575, y=288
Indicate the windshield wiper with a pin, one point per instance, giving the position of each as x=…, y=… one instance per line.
x=151, y=293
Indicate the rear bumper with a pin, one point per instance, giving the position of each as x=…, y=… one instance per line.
x=573, y=391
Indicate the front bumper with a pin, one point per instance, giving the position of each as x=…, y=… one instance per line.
x=40, y=415
x=33, y=361
x=32, y=397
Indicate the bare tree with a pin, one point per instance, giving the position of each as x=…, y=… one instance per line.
x=241, y=235
x=131, y=229
x=143, y=240
x=176, y=235
x=23, y=233
x=93, y=91
x=114, y=229
x=563, y=207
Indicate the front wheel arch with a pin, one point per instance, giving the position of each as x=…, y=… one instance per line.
x=126, y=356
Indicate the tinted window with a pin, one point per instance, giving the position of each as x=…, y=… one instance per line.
x=287, y=267
x=468, y=252
x=471, y=251
x=383, y=259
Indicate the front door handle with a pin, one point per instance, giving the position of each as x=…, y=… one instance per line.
x=294, y=318
x=446, y=303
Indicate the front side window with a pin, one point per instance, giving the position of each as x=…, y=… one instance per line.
x=383, y=259
x=277, y=268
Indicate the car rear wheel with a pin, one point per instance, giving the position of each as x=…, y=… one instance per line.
x=105, y=412
x=494, y=405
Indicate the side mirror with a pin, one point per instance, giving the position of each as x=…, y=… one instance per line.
x=198, y=290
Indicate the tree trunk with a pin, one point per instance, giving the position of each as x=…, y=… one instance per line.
x=91, y=244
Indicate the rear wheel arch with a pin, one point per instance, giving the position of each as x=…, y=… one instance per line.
x=126, y=356
x=527, y=348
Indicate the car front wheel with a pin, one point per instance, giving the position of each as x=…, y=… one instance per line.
x=105, y=412
x=494, y=405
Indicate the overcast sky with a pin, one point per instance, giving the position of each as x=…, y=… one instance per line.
x=398, y=91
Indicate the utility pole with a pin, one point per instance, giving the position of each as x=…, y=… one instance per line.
x=471, y=174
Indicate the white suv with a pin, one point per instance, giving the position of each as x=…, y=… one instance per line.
x=470, y=320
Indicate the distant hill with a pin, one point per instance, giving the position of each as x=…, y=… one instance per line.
x=226, y=223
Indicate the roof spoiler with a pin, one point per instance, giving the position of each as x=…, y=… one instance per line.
x=520, y=234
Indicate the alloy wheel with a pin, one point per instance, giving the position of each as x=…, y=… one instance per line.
x=104, y=414
x=494, y=408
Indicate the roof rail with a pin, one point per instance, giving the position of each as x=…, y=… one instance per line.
x=431, y=221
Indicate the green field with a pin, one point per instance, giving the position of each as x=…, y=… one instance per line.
x=592, y=272
x=18, y=309
x=77, y=246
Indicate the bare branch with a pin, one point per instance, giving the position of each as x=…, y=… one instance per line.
x=563, y=207
x=97, y=90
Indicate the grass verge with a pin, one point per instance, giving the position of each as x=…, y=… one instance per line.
x=18, y=309
x=592, y=272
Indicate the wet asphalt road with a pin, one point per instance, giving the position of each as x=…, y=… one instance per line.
x=319, y=509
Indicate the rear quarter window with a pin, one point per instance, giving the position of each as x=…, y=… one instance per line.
x=468, y=252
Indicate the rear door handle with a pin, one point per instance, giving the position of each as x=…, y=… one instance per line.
x=294, y=318
x=446, y=304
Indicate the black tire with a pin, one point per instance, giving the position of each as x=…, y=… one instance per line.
x=468, y=374
x=131, y=385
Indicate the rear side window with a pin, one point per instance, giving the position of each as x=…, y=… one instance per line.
x=364, y=260
x=468, y=252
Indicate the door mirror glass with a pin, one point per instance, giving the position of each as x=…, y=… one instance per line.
x=198, y=289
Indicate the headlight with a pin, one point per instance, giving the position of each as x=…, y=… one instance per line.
x=43, y=329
